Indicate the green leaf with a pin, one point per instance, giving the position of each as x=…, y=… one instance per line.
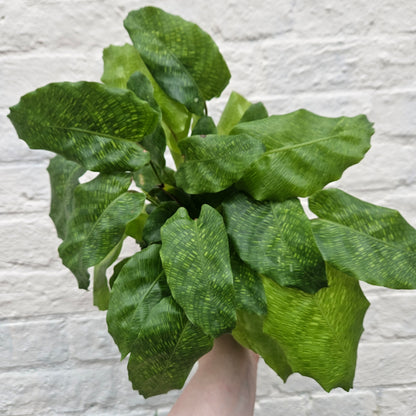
x=249, y=333
x=143, y=88
x=248, y=288
x=140, y=286
x=151, y=231
x=101, y=291
x=195, y=256
x=86, y=122
x=102, y=209
x=235, y=108
x=143, y=319
x=256, y=111
x=167, y=347
x=318, y=333
x=134, y=228
x=63, y=175
x=213, y=163
x=191, y=70
x=275, y=239
x=371, y=243
x=120, y=62
x=304, y=152
x=205, y=125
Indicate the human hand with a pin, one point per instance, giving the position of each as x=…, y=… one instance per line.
x=224, y=384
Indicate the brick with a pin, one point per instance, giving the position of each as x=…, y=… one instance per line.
x=11, y=148
x=30, y=241
x=397, y=401
x=91, y=329
x=292, y=406
x=59, y=26
x=32, y=343
x=20, y=75
x=325, y=65
x=355, y=19
x=27, y=188
x=343, y=403
x=42, y=293
x=386, y=363
x=387, y=165
x=391, y=316
x=58, y=391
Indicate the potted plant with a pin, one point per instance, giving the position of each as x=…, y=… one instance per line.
x=223, y=242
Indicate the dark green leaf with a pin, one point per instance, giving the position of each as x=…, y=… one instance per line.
x=102, y=209
x=235, y=108
x=369, y=242
x=139, y=287
x=167, y=347
x=143, y=88
x=155, y=144
x=191, y=70
x=256, y=111
x=213, y=163
x=86, y=122
x=63, y=176
x=304, y=153
x=144, y=320
x=205, y=125
x=195, y=256
x=117, y=270
x=318, y=333
x=248, y=288
x=275, y=239
x=151, y=231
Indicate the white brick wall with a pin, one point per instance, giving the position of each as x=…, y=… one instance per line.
x=329, y=57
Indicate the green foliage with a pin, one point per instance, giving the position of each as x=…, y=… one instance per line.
x=224, y=244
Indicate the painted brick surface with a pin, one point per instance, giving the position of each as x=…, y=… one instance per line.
x=55, y=355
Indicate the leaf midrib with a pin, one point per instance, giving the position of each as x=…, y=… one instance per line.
x=392, y=245
x=303, y=144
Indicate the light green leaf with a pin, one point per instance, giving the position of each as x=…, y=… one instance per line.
x=304, y=153
x=102, y=209
x=371, y=243
x=249, y=333
x=275, y=239
x=63, y=176
x=191, y=70
x=120, y=62
x=134, y=228
x=318, y=333
x=143, y=319
x=195, y=256
x=235, y=108
x=167, y=347
x=101, y=291
x=248, y=288
x=213, y=163
x=86, y=122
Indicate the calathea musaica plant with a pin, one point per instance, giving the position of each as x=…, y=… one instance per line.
x=224, y=244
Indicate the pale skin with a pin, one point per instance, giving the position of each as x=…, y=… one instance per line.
x=223, y=385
